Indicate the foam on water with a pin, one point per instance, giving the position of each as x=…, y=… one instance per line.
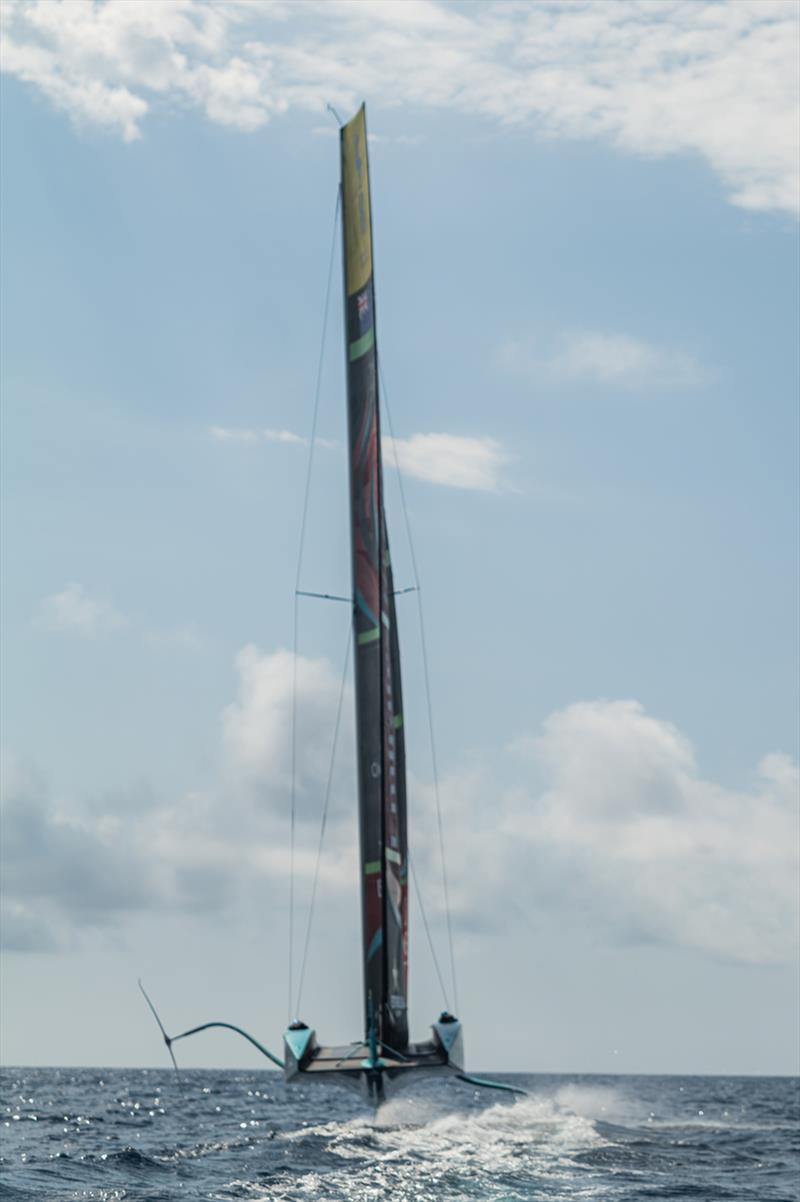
x=134, y=1135
x=592, y=1101
x=419, y=1148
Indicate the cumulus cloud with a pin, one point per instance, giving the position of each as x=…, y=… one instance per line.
x=76, y=611
x=623, y=835
x=655, y=78
x=236, y=831
x=595, y=357
x=257, y=727
x=75, y=864
x=68, y=868
x=601, y=819
x=450, y=459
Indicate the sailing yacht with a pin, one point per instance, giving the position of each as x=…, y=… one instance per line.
x=383, y=1057
x=385, y=1054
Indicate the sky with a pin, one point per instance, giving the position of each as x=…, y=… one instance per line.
x=586, y=258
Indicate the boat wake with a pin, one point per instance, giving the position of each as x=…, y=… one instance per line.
x=136, y=1135
x=426, y=1148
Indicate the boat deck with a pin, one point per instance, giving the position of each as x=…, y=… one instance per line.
x=380, y=1069
x=355, y=1059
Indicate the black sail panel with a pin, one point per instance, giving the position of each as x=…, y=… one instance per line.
x=395, y=836
x=379, y=717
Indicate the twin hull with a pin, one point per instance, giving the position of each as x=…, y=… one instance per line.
x=380, y=1072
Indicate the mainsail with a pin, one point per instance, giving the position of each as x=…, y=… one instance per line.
x=385, y=1057
x=379, y=712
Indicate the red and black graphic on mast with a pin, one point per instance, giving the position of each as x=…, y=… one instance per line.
x=379, y=713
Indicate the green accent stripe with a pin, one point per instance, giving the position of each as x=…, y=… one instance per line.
x=371, y=868
x=362, y=344
x=398, y=721
x=369, y=636
x=392, y=855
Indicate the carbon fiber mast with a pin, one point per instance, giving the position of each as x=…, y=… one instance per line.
x=385, y=1053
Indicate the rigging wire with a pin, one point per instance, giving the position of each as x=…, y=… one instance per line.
x=324, y=816
x=324, y=596
x=426, y=675
x=434, y=957
x=296, y=614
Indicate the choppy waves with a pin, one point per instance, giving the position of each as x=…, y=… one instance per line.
x=135, y=1135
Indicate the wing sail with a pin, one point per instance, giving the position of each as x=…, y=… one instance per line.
x=379, y=716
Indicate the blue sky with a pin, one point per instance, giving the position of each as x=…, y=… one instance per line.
x=587, y=298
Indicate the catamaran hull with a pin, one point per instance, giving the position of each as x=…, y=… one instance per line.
x=377, y=1077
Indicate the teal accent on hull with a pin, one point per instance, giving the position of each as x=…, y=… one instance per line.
x=448, y=1034
x=298, y=1042
x=482, y=1083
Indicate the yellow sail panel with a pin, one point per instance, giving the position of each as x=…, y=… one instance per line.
x=355, y=203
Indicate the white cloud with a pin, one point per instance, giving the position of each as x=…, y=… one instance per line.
x=604, y=823
x=243, y=434
x=69, y=864
x=626, y=838
x=450, y=459
x=74, y=610
x=81, y=93
x=651, y=78
x=594, y=357
x=257, y=727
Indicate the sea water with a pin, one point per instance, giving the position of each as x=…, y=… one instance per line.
x=138, y=1134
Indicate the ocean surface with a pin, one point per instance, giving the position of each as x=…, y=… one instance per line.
x=136, y=1134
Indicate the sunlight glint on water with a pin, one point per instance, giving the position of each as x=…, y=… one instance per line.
x=133, y=1134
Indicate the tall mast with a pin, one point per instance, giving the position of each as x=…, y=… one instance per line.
x=379, y=712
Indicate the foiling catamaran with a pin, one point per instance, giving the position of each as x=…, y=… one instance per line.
x=385, y=1057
